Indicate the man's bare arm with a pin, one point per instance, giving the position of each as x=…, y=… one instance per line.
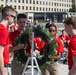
x=13, y=48
x=2, y=60
x=73, y=69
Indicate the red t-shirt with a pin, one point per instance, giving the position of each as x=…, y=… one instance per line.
x=13, y=35
x=4, y=40
x=15, y=27
x=71, y=51
x=60, y=47
x=40, y=44
x=65, y=38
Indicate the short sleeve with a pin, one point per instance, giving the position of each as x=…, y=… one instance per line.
x=73, y=48
x=60, y=47
x=3, y=36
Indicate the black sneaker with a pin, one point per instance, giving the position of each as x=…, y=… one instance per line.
x=65, y=61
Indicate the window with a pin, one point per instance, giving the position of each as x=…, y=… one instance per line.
x=30, y=8
x=55, y=4
x=68, y=11
x=15, y=6
x=36, y=8
x=10, y=0
x=49, y=9
x=22, y=7
x=57, y=10
x=26, y=7
x=60, y=4
x=33, y=2
x=33, y=8
x=52, y=9
x=60, y=10
x=37, y=2
x=46, y=9
x=52, y=4
x=43, y=9
x=14, y=0
x=22, y=1
x=26, y=1
x=64, y=10
x=67, y=5
x=49, y=3
x=18, y=1
x=40, y=2
x=30, y=17
x=18, y=7
x=30, y=1
x=43, y=3
x=46, y=3
x=40, y=8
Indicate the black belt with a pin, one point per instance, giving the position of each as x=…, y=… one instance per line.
x=69, y=68
x=55, y=60
x=7, y=65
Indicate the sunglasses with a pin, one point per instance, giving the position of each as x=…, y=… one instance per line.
x=22, y=22
x=13, y=16
x=52, y=30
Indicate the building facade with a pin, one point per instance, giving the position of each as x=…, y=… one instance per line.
x=38, y=5
x=74, y=2
x=36, y=8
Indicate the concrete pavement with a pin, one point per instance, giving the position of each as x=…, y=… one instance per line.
x=63, y=69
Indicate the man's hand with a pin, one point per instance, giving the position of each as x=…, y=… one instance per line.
x=19, y=46
x=51, y=57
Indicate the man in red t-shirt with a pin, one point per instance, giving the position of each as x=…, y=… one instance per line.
x=17, y=68
x=8, y=15
x=65, y=40
x=70, y=28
